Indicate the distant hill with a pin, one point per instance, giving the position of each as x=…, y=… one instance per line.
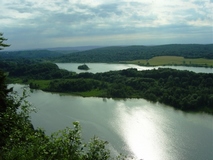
x=44, y=53
x=29, y=54
x=112, y=54
x=79, y=48
x=128, y=53
x=67, y=50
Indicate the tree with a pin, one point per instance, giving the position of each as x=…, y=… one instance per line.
x=3, y=87
x=5, y=102
x=2, y=39
x=4, y=91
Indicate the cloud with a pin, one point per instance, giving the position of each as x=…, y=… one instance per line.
x=40, y=23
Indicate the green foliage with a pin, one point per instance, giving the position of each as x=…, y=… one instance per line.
x=97, y=150
x=74, y=85
x=31, y=69
x=3, y=92
x=15, y=119
x=64, y=144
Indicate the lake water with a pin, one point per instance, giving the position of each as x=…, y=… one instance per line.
x=148, y=131
x=144, y=130
x=104, y=67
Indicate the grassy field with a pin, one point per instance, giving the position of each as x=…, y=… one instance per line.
x=42, y=83
x=173, y=60
x=92, y=93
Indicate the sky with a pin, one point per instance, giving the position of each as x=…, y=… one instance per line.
x=34, y=24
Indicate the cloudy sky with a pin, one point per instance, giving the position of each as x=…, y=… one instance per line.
x=30, y=24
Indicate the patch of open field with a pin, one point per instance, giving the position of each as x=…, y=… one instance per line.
x=173, y=60
x=42, y=84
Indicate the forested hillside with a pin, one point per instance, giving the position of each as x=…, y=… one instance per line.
x=128, y=53
x=32, y=69
x=30, y=54
x=115, y=54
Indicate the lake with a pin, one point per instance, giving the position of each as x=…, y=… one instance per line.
x=105, y=67
x=144, y=130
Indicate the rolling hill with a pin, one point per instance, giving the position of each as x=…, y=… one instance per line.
x=129, y=53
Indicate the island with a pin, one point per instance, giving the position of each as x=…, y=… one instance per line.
x=83, y=67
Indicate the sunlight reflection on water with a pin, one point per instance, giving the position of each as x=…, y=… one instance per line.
x=141, y=131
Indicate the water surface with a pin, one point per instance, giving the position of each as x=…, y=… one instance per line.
x=149, y=131
x=105, y=67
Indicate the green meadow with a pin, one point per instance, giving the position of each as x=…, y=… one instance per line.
x=174, y=60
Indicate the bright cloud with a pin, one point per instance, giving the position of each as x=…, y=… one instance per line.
x=54, y=23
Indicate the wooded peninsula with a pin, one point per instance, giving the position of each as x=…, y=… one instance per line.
x=183, y=90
